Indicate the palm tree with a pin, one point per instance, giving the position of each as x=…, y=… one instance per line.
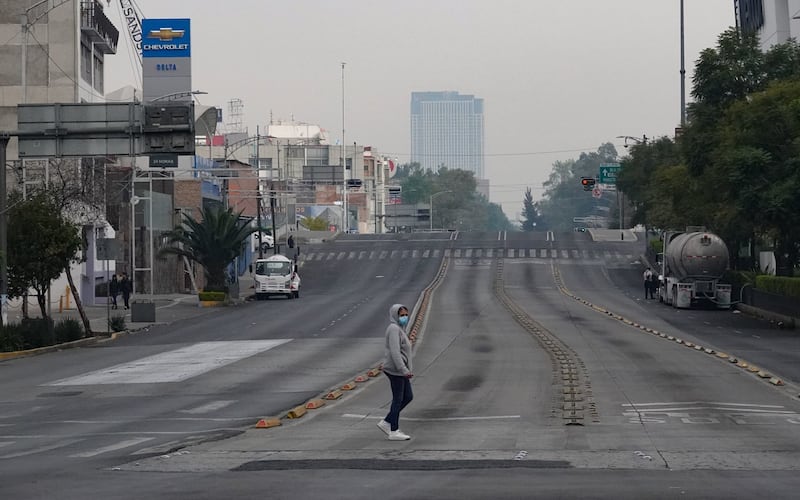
x=213, y=242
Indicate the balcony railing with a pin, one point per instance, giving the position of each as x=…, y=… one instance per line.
x=98, y=28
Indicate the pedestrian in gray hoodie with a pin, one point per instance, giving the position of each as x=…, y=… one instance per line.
x=397, y=367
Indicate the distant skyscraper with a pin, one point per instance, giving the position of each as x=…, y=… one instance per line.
x=447, y=130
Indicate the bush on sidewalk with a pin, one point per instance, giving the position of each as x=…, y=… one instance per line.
x=68, y=330
x=117, y=323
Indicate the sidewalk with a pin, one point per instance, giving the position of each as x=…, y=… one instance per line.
x=169, y=308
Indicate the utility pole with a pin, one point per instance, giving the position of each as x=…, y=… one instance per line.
x=346, y=219
x=683, y=76
x=3, y=234
x=272, y=213
x=258, y=193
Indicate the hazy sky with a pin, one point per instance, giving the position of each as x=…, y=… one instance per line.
x=558, y=77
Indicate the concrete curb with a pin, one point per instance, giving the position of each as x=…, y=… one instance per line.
x=789, y=322
x=56, y=347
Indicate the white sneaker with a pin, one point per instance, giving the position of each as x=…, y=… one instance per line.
x=385, y=427
x=398, y=435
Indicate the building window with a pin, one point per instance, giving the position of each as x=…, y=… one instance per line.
x=86, y=64
x=98, y=74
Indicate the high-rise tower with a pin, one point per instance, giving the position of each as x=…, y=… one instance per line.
x=447, y=130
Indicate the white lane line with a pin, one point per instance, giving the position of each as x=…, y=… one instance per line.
x=6, y=443
x=112, y=447
x=703, y=403
x=722, y=408
x=174, y=366
x=41, y=449
x=209, y=407
x=443, y=419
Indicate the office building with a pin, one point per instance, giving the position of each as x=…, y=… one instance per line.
x=774, y=21
x=447, y=131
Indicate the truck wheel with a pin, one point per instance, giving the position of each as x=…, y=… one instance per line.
x=297, y=294
x=290, y=296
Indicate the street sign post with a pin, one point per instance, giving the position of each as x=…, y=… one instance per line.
x=608, y=173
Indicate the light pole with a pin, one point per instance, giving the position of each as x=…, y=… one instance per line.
x=346, y=221
x=430, y=214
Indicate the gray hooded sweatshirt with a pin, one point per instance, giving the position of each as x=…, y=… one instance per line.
x=397, y=349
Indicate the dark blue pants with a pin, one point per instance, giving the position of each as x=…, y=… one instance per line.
x=401, y=396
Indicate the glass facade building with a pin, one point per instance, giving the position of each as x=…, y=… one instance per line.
x=447, y=131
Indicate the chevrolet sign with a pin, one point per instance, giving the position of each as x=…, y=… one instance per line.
x=166, y=38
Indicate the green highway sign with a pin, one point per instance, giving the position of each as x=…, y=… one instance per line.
x=608, y=173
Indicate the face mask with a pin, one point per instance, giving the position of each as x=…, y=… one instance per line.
x=403, y=320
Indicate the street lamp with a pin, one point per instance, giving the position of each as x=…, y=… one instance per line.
x=430, y=214
x=177, y=95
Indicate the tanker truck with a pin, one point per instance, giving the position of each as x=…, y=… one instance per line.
x=692, y=265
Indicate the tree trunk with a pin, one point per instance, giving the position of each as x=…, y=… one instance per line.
x=41, y=298
x=86, y=325
x=25, y=314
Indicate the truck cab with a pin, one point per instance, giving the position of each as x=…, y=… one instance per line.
x=276, y=275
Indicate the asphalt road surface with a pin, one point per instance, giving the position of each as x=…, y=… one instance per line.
x=540, y=372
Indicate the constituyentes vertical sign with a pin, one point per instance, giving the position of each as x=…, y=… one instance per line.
x=166, y=59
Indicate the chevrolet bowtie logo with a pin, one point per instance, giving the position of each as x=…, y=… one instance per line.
x=166, y=34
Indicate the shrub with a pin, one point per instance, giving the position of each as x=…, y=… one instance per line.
x=11, y=338
x=779, y=285
x=117, y=323
x=37, y=332
x=68, y=329
x=211, y=295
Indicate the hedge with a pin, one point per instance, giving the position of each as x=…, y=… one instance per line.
x=218, y=296
x=779, y=285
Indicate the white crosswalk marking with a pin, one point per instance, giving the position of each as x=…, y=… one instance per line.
x=113, y=447
x=34, y=451
x=511, y=253
x=174, y=366
x=209, y=407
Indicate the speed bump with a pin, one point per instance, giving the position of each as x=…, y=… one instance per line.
x=775, y=381
x=374, y=372
x=266, y=423
x=349, y=386
x=333, y=395
x=297, y=412
x=314, y=404
x=361, y=378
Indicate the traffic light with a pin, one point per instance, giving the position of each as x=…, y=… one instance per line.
x=587, y=183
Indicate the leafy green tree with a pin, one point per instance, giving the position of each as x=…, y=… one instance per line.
x=458, y=205
x=315, y=223
x=213, y=241
x=564, y=197
x=41, y=244
x=531, y=220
